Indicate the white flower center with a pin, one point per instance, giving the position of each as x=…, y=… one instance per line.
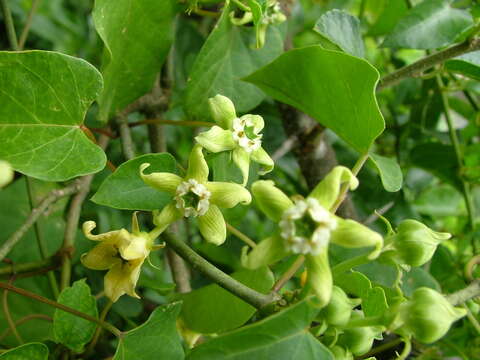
x=306, y=227
x=192, y=198
x=245, y=135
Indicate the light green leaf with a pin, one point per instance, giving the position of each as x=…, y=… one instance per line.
x=375, y=303
x=343, y=30
x=137, y=36
x=466, y=65
x=124, y=189
x=282, y=336
x=389, y=170
x=440, y=200
x=68, y=329
x=31, y=351
x=354, y=283
x=44, y=97
x=157, y=338
x=228, y=55
x=429, y=25
x=336, y=89
x=212, y=309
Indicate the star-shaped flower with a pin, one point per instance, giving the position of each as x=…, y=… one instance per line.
x=241, y=136
x=121, y=253
x=307, y=226
x=195, y=196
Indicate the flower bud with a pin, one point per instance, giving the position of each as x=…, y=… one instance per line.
x=359, y=340
x=415, y=242
x=428, y=315
x=6, y=173
x=319, y=277
x=338, y=311
x=222, y=110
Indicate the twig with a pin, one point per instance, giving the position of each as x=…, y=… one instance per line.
x=171, y=122
x=52, y=197
x=125, y=135
x=26, y=293
x=9, y=27
x=473, y=320
x=8, y=316
x=287, y=145
x=241, y=236
x=418, y=67
x=16, y=269
x=245, y=293
x=470, y=292
x=180, y=272
x=98, y=330
x=289, y=273
x=378, y=212
x=28, y=23
x=25, y=319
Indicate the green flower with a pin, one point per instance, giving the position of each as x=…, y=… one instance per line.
x=307, y=226
x=241, y=136
x=195, y=196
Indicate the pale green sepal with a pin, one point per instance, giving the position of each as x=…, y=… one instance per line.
x=319, y=277
x=256, y=120
x=270, y=199
x=267, y=252
x=162, y=181
x=101, y=257
x=216, y=140
x=260, y=156
x=139, y=247
x=227, y=195
x=120, y=237
x=327, y=191
x=222, y=110
x=122, y=279
x=242, y=159
x=162, y=219
x=352, y=234
x=212, y=226
x=197, y=166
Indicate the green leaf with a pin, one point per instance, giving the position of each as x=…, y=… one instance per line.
x=44, y=98
x=343, y=30
x=124, y=189
x=429, y=25
x=226, y=57
x=137, y=36
x=375, y=303
x=389, y=15
x=418, y=277
x=212, y=309
x=157, y=338
x=31, y=351
x=68, y=329
x=466, y=65
x=281, y=336
x=440, y=200
x=389, y=170
x=354, y=283
x=336, y=89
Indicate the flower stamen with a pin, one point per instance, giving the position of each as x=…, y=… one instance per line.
x=192, y=198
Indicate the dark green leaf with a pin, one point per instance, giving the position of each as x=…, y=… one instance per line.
x=70, y=330
x=441, y=200
x=213, y=309
x=466, y=65
x=124, y=189
x=31, y=351
x=389, y=170
x=157, y=338
x=343, y=30
x=281, y=336
x=417, y=277
x=354, y=283
x=429, y=25
x=391, y=12
x=336, y=89
x=44, y=98
x=137, y=35
x=228, y=55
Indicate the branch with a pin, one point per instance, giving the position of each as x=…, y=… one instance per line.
x=28, y=23
x=247, y=294
x=9, y=27
x=418, y=67
x=52, y=197
x=26, y=293
x=470, y=292
x=125, y=136
x=48, y=263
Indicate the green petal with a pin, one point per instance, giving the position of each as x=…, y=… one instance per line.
x=139, y=247
x=216, y=139
x=242, y=159
x=227, y=195
x=261, y=157
x=267, y=252
x=319, y=277
x=256, y=120
x=164, y=218
x=197, y=166
x=222, y=110
x=270, y=199
x=352, y=234
x=212, y=226
x=122, y=279
x=101, y=257
x=119, y=237
x=327, y=191
x=161, y=181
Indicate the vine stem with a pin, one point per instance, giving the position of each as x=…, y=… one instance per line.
x=125, y=135
x=29, y=266
x=418, y=67
x=8, y=316
x=473, y=320
x=107, y=326
x=289, y=273
x=470, y=292
x=9, y=26
x=28, y=23
x=247, y=294
x=98, y=330
x=241, y=236
x=349, y=264
x=459, y=156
